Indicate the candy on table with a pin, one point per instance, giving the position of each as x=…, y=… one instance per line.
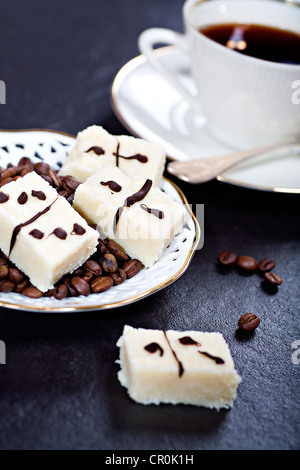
x=140, y=217
x=187, y=367
x=40, y=231
x=95, y=147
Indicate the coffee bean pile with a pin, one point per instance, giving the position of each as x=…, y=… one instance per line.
x=248, y=263
x=108, y=266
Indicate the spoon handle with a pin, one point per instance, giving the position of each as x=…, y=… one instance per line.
x=205, y=169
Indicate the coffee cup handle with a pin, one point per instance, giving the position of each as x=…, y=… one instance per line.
x=146, y=42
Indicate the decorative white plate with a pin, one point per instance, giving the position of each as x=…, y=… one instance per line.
x=151, y=108
x=53, y=147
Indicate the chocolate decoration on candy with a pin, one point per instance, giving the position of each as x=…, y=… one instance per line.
x=113, y=186
x=180, y=366
x=140, y=158
x=158, y=213
x=153, y=347
x=97, y=150
x=138, y=196
x=28, y=222
x=3, y=197
x=35, y=233
x=39, y=194
x=59, y=233
x=78, y=230
x=188, y=341
x=217, y=359
x=23, y=198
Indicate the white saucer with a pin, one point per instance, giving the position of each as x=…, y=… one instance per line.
x=150, y=108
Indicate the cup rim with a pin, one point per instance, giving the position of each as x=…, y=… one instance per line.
x=188, y=23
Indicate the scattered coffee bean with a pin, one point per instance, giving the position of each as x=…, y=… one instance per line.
x=248, y=322
x=272, y=278
x=3, y=271
x=101, y=284
x=21, y=286
x=132, y=267
x=32, y=292
x=7, y=286
x=109, y=263
x=93, y=267
x=246, y=262
x=117, y=250
x=15, y=275
x=227, y=258
x=118, y=277
x=81, y=286
x=41, y=168
x=60, y=292
x=265, y=264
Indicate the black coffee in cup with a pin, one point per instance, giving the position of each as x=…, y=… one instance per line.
x=259, y=41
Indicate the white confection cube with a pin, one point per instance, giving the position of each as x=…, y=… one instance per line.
x=81, y=163
x=47, y=259
x=167, y=371
x=142, y=235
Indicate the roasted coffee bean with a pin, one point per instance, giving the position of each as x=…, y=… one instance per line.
x=88, y=276
x=41, y=168
x=69, y=183
x=9, y=172
x=227, y=258
x=25, y=162
x=93, y=267
x=2, y=261
x=248, y=322
x=55, y=178
x=266, y=264
x=80, y=285
x=5, y=181
x=117, y=250
x=72, y=292
x=47, y=178
x=109, y=263
x=102, y=248
x=32, y=292
x=272, y=278
x=3, y=271
x=15, y=275
x=60, y=292
x=101, y=284
x=25, y=171
x=246, y=262
x=118, y=277
x=132, y=267
x=21, y=286
x=6, y=286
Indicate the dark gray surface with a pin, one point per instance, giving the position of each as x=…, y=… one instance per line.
x=59, y=388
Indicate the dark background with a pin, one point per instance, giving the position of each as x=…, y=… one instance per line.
x=59, y=387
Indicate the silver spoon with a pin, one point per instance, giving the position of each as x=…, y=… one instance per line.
x=205, y=169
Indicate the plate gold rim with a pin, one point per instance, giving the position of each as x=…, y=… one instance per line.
x=133, y=299
x=115, y=87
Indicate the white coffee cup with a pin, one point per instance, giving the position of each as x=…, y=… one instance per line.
x=247, y=101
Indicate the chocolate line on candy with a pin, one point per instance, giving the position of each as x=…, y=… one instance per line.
x=113, y=186
x=59, y=233
x=35, y=233
x=153, y=347
x=156, y=212
x=136, y=197
x=97, y=150
x=180, y=366
x=17, y=229
x=3, y=197
x=78, y=230
x=188, y=341
x=39, y=194
x=217, y=359
x=23, y=198
x=140, y=158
